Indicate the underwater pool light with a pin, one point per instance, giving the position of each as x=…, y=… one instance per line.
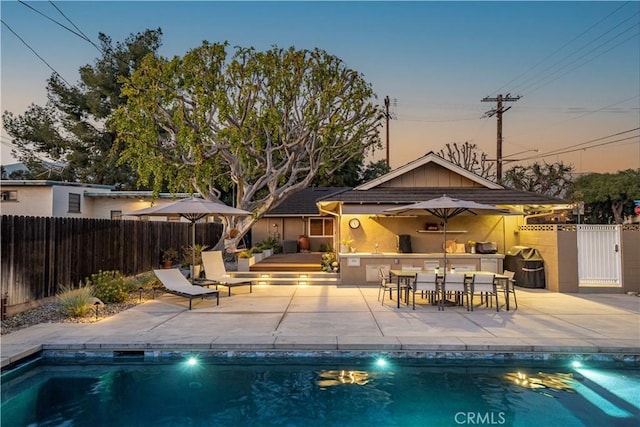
x=192, y=361
x=576, y=364
x=381, y=362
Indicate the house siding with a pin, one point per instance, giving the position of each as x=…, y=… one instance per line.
x=430, y=175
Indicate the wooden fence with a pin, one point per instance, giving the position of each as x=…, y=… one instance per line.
x=40, y=254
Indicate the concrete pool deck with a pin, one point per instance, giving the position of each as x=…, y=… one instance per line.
x=328, y=318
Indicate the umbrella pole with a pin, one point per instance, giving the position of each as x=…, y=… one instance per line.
x=444, y=247
x=193, y=247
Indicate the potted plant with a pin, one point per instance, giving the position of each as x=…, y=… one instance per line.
x=345, y=245
x=257, y=253
x=271, y=243
x=192, y=256
x=169, y=256
x=471, y=246
x=245, y=260
x=267, y=251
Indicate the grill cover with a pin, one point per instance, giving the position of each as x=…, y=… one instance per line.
x=528, y=266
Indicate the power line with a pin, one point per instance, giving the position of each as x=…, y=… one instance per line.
x=84, y=36
x=585, y=148
x=548, y=71
x=559, y=49
x=542, y=80
x=567, y=149
x=581, y=115
x=35, y=53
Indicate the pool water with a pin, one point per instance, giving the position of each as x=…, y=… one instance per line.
x=319, y=392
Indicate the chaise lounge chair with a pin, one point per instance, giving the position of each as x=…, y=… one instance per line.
x=215, y=271
x=177, y=284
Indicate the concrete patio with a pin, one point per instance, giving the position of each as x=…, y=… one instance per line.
x=326, y=318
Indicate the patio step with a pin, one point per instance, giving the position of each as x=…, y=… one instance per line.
x=289, y=277
x=286, y=263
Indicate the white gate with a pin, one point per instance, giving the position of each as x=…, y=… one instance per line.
x=599, y=256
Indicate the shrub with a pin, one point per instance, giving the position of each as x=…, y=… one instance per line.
x=76, y=302
x=145, y=281
x=170, y=255
x=329, y=262
x=271, y=243
x=245, y=254
x=109, y=286
x=191, y=254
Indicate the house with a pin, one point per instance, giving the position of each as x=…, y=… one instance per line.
x=576, y=258
x=370, y=237
x=74, y=200
x=297, y=221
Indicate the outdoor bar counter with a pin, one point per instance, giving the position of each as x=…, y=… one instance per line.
x=357, y=268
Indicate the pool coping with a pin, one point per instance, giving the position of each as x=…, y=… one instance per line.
x=113, y=351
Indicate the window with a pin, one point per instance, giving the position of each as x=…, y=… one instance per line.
x=10, y=196
x=74, y=203
x=321, y=227
x=116, y=215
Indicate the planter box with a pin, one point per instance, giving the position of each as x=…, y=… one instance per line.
x=245, y=263
x=194, y=271
x=258, y=256
x=266, y=253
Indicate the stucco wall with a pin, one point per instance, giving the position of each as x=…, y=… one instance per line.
x=631, y=258
x=32, y=201
x=383, y=231
x=560, y=254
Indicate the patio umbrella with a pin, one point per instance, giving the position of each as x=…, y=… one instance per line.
x=193, y=209
x=445, y=208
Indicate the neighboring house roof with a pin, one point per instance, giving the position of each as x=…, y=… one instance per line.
x=304, y=201
x=137, y=195
x=48, y=183
x=113, y=194
x=413, y=195
x=430, y=157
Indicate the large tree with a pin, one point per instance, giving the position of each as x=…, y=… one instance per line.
x=551, y=179
x=352, y=174
x=264, y=124
x=608, y=197
x=468, y=156
x=67, y=138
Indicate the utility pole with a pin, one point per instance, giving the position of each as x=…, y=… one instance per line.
x=498, y=113
x=387, y=115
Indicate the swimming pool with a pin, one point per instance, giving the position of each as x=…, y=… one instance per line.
x=319, y=392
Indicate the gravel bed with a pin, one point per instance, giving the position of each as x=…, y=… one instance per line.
x=51, y=312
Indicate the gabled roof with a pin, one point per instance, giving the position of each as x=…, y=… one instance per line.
x=304, y=201
x=430, y=157
x=138, y=195
x=48, y=183
x=499, y=196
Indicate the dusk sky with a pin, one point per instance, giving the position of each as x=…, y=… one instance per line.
x=575, y=64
